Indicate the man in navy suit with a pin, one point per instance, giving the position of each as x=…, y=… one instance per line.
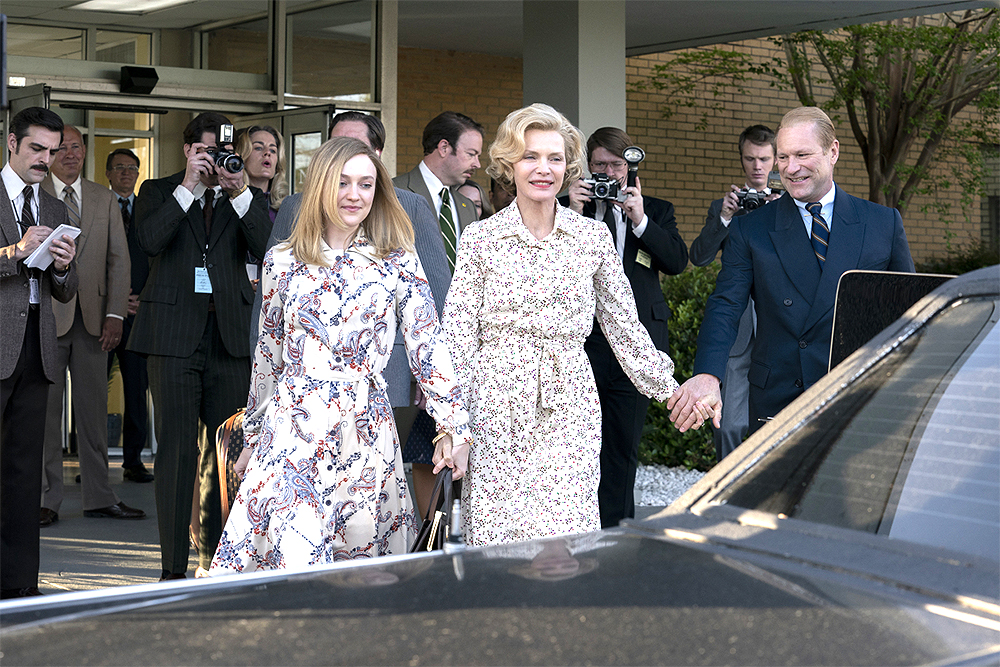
x=647, y=240
x=789, y=256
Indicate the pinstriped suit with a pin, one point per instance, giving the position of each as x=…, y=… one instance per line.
x=103, y=265
x=26, y=368
x=199, y=350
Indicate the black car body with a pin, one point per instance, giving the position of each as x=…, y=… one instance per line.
x=860, y=527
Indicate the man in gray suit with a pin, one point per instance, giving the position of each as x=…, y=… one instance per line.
x=452, y=145
x=88, y=326
x=28, y=354
x=430, y=251
x=756, y=145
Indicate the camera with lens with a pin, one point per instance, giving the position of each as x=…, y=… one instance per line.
x=223, y=158
x=604, y=187
x=751, y=200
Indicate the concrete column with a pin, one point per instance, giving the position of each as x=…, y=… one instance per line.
x=574, y=59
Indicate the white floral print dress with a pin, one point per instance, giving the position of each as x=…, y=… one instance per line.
x=517, y=314
x=325, y=482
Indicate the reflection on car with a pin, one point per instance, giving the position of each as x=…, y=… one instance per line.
x=861, y=526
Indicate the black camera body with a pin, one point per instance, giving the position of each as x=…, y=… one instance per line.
x=750, y=200
x=223, y=158
x=605, y=187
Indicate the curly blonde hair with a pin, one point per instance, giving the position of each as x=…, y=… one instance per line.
x=508, y=147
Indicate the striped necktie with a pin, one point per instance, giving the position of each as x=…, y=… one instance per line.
x=27, y=217
x=72, y=205
x=820, y=236
x=126, y=214
x=448, y=228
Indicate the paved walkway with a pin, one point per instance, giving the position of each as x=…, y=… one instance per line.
x=80, y=553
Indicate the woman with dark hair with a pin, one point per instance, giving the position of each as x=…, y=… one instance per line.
x=527, y=285
x=323, y=472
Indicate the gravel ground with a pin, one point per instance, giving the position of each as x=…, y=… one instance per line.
x=661, y=485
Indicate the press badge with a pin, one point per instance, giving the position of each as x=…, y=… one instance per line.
x=34, y=296
x=644, y=258
x=202, y=283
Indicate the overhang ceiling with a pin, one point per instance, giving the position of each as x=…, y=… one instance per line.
x=494, y=26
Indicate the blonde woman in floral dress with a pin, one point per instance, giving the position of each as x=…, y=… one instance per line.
x=527, y=284
x=323, y=472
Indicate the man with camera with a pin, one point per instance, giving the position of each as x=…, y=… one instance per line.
x=756, y=146
x=646, y=237
x=194, y=323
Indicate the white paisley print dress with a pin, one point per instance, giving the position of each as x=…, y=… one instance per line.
x=517, y=314
x=325, y=482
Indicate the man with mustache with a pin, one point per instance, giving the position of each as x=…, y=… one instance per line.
x=28, y=216
x=89, y=326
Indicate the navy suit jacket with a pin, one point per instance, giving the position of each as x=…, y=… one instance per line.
x=172, y=316
x=769, y=257
x=430, y=252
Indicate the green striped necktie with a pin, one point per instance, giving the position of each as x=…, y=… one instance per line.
x=448, y=228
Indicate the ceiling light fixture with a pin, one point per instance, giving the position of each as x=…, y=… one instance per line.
x=128, y=6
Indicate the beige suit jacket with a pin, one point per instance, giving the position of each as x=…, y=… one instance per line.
x=102, y=261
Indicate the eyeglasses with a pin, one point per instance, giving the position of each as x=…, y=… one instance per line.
x=126, y=167
x=603, y=166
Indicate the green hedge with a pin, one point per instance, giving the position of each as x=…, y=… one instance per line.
x=974, y=256
x=661, y=443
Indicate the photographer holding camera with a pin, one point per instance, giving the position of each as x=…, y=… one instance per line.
x=646, y=237
x=194, y=323
x=756, y=145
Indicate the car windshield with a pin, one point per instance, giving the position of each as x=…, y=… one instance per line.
x=910, y=451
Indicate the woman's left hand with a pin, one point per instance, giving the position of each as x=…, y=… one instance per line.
x=240, y=467
x=447, y=455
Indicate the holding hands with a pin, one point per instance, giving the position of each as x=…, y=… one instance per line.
x=696, y=401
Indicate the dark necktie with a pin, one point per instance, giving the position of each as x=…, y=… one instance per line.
x=609, y=219
x=206, y=210
x=447, y=224
x=27, y=217
x=126, y=214
x=820, y=236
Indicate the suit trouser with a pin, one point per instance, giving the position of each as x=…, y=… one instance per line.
x=87, y=363
x=735, y=409
x=135, y=382
x=23, y=399
x=210, y=385
x=623, y=413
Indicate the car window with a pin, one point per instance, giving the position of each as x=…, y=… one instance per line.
x=910, y=451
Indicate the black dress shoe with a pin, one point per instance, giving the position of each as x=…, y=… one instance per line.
x=171, y=576
x=137, y=474
x=11, y=593
x=117, y=511
x=48, y=517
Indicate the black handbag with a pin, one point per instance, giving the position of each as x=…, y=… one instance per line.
x=434, y=530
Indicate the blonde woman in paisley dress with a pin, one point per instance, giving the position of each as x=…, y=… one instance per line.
x=527, y=284
x=323, y=472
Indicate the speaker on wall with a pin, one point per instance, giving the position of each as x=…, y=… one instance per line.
x=138, y=80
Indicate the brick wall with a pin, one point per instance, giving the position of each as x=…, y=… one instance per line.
x=688, y=166
x=485, y=88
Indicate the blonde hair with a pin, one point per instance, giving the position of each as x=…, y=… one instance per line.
x=387, y=226
x=279, y=184
x=508, y=147
x=825, y=132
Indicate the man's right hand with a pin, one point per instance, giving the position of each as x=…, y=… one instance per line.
x=579, y=194
x=696, y=399
x=730, y=204
x=31, y=240
x=133, y=303
x=199, y=164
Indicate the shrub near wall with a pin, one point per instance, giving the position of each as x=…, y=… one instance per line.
x=661, y=443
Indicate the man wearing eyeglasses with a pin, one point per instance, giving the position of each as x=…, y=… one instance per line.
x=645, y=235
x=122, y=173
